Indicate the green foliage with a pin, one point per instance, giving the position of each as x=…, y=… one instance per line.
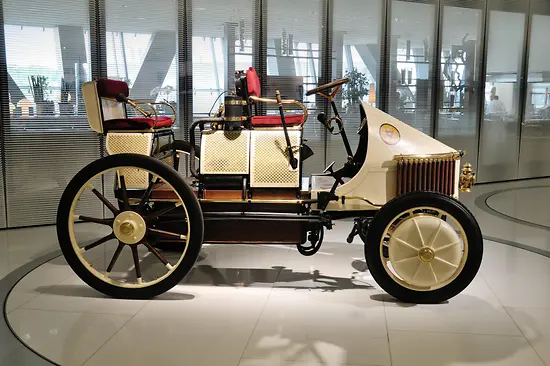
x=357, y=88
x=38, y=85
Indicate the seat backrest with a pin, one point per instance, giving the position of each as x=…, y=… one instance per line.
x=253, y=83
x=100, y=99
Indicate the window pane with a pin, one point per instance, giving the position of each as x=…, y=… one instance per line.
x=222, y=43
x=412, y=39
x=141, y=50
x=293, y=65
x=535, y=136
x=460, y=75
x=356, y=55
x=500, y=126
x=47, y=138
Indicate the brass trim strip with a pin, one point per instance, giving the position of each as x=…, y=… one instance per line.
x=234, y=119
x=235, y=102
x=428, y=157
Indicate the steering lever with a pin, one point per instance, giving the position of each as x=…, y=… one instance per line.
x=292, y=160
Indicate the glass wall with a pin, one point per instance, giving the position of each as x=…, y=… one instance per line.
x=460, y=73
x=222, y=43
x=355, y=55
x=535, y=135
x=411, y=62
x=499, y=145
x=473, y=72
x=293, y=64
x=47, y=138
x=141, y=50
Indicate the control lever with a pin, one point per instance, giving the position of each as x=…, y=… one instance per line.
x=292, y=160
x=322, y=117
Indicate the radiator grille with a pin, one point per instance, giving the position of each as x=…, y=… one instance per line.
x=435, y=173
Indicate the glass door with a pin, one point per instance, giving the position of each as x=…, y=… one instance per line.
x=460, y=74
x=411, y=43
x=500, y=128
x=535, y=130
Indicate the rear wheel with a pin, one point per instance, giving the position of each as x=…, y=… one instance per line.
x=424, y=247
x=108, y=226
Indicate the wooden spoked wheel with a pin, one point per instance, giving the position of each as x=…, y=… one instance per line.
x=110, y=218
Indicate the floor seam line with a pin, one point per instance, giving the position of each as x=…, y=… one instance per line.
x=260, y=315
x=114, y=334
x=512, y=318
x=387, y=331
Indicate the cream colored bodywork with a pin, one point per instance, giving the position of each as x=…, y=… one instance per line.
x=376, y=181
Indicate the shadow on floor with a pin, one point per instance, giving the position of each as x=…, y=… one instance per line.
x=279, y=277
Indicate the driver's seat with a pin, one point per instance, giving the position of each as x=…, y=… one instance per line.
x=253, y=95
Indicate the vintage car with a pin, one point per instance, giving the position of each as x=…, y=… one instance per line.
x=131, y=224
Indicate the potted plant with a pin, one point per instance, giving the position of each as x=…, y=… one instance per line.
x=66, y=106
x=38, y=85
x=357, y=88
x=164, y=93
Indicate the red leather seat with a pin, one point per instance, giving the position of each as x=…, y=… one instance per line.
x=291, y=120
x=255, y=90
x=137, y=123
x=112, y=89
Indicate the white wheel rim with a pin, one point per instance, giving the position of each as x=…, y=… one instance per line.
x=125, y=217
x=424, y=252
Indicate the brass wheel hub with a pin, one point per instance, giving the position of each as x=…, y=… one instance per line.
x=129, y=227
x=426, y=255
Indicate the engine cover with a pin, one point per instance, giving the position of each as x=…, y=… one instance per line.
x=269, y=165
x=225, y=152
x=259, y=154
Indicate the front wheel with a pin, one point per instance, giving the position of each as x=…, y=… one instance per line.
x=110, y=219
x=424, y=247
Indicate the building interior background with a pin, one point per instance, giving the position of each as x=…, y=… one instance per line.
x=435, y=65
x=474, y=74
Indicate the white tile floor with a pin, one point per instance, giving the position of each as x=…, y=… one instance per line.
x=256, y=306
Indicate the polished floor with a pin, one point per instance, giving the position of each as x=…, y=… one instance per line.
x=268, y=305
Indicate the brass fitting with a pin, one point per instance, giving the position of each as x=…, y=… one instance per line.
x=467, y=178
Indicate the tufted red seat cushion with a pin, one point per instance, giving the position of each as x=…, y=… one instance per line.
x=275, y=120
x=137, y=123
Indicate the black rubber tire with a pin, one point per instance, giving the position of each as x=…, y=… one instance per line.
x=166, y=173
x=419, y=199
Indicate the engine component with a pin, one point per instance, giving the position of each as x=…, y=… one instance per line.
x=233, y=113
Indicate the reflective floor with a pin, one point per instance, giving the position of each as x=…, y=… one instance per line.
x=268, y=305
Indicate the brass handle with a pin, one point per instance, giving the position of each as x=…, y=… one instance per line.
x=278, y=97
x=275, y=101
